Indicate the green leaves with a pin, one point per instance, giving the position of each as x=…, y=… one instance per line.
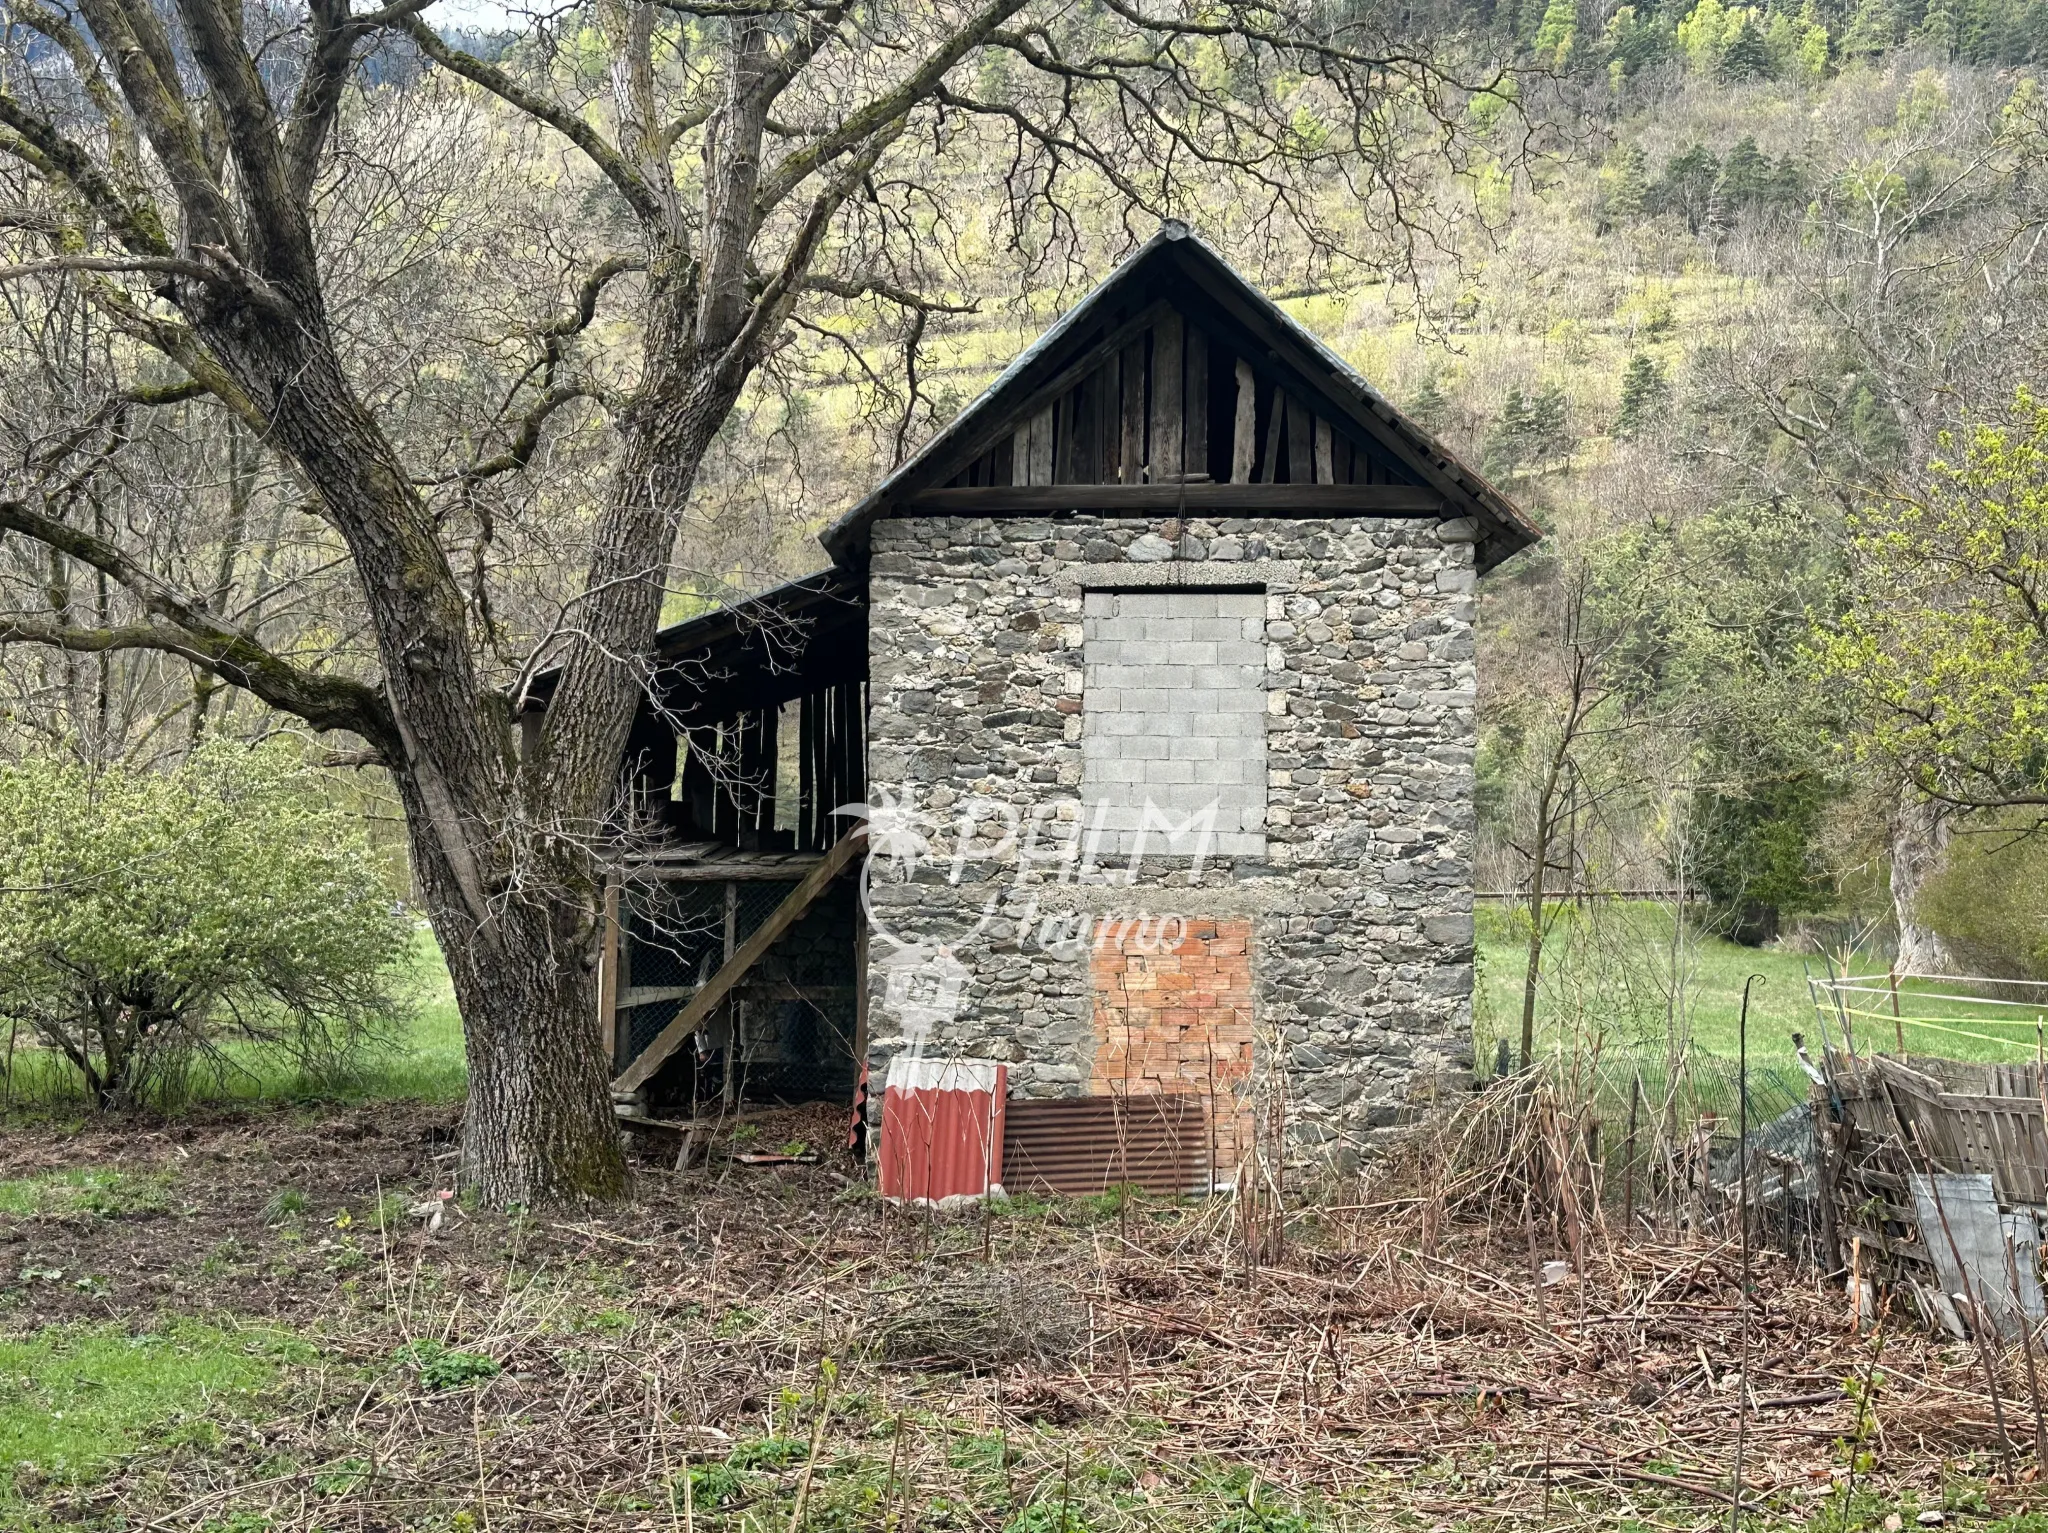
x=1945, y=634
x=444, y=1368
x=147, y=914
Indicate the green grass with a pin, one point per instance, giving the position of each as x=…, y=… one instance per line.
x=1605, y=980
x=83, y=1190
x=75, y=1400
x=422, y=1060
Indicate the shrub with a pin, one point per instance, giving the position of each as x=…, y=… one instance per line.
x=150, y=917
x=1986, y=902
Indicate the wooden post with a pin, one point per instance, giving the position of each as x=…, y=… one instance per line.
x=1628, y=1172
x=1898, y=1023
x=1195, y=407
x=1168, y=400
x=1325, y=456
x=1244, y=436
x=1031, y=451
x=860, y=991
x=609, y=1023
x=1131, y=450
x=726, y=1093
x=1276, y=425
x=1300, y=438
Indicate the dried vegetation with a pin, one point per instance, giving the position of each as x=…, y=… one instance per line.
x=770, y=1348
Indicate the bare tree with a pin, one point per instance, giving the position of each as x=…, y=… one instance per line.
x=1575, y=705
x=736, y=171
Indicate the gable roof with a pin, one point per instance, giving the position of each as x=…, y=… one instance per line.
x=1189, y=275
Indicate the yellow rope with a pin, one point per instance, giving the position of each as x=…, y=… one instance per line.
x=1959, y=1032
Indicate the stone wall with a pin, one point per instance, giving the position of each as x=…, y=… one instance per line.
x=1359, y=910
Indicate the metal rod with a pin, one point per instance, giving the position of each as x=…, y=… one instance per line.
x=1742, y=1216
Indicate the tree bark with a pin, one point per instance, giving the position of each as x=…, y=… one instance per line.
x=1539, y=867
x=1919, y=847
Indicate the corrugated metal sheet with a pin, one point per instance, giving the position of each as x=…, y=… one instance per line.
x=942, y=1129
x=1157, y=1143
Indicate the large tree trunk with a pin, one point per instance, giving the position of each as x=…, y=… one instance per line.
x=538, y=1125
x=506, y=854
x=1919, y=847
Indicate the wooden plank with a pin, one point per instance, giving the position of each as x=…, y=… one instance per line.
x=1105, y=397
x=1195, y=406
x=1325, y=465
x=1069, y=451
x=1286, y=499
x=1131, y=447
x=1038, y=453
x=1276, y=423
x=794, y=865
x=1300, y=443
x=1167, y=399
x=1244, y=437
x=1029, y=404
x=749, y=953
x=1315, y=372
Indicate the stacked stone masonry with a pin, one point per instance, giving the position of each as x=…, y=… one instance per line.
x=1359, y=907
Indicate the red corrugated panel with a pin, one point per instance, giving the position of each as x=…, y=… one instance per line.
x=942, y=1129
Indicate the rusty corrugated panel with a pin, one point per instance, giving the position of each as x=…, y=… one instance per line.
x=1158, y=1143
x=942, y=1129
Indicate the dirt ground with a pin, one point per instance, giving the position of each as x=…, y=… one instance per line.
x=770, y=1347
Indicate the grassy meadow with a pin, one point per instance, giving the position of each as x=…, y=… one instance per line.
x=1606, y=986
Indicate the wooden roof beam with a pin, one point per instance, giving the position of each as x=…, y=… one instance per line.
x=1205, y=499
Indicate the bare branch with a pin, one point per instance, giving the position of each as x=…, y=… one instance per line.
x=182, y=627
x=608, y=160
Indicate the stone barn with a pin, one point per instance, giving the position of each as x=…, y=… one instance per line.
x=1155, y=672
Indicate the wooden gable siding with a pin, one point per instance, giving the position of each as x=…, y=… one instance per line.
x=1175, y=404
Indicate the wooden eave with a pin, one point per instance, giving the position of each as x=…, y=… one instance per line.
x=757, y=652
x=1179, y=272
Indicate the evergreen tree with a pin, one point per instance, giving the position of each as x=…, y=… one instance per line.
x=1982, y=29
x=1549, y=424
x=1757, y=834
x=1746, y=177
x=1872, y=29
x=1939, y=29
x=1687, y=186
x=1788, y=185
x=1644, y=394
x=1507, y=443
x=1624, y=187
x=1430, y=407
x=1748, y=56
x=1636, y=40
